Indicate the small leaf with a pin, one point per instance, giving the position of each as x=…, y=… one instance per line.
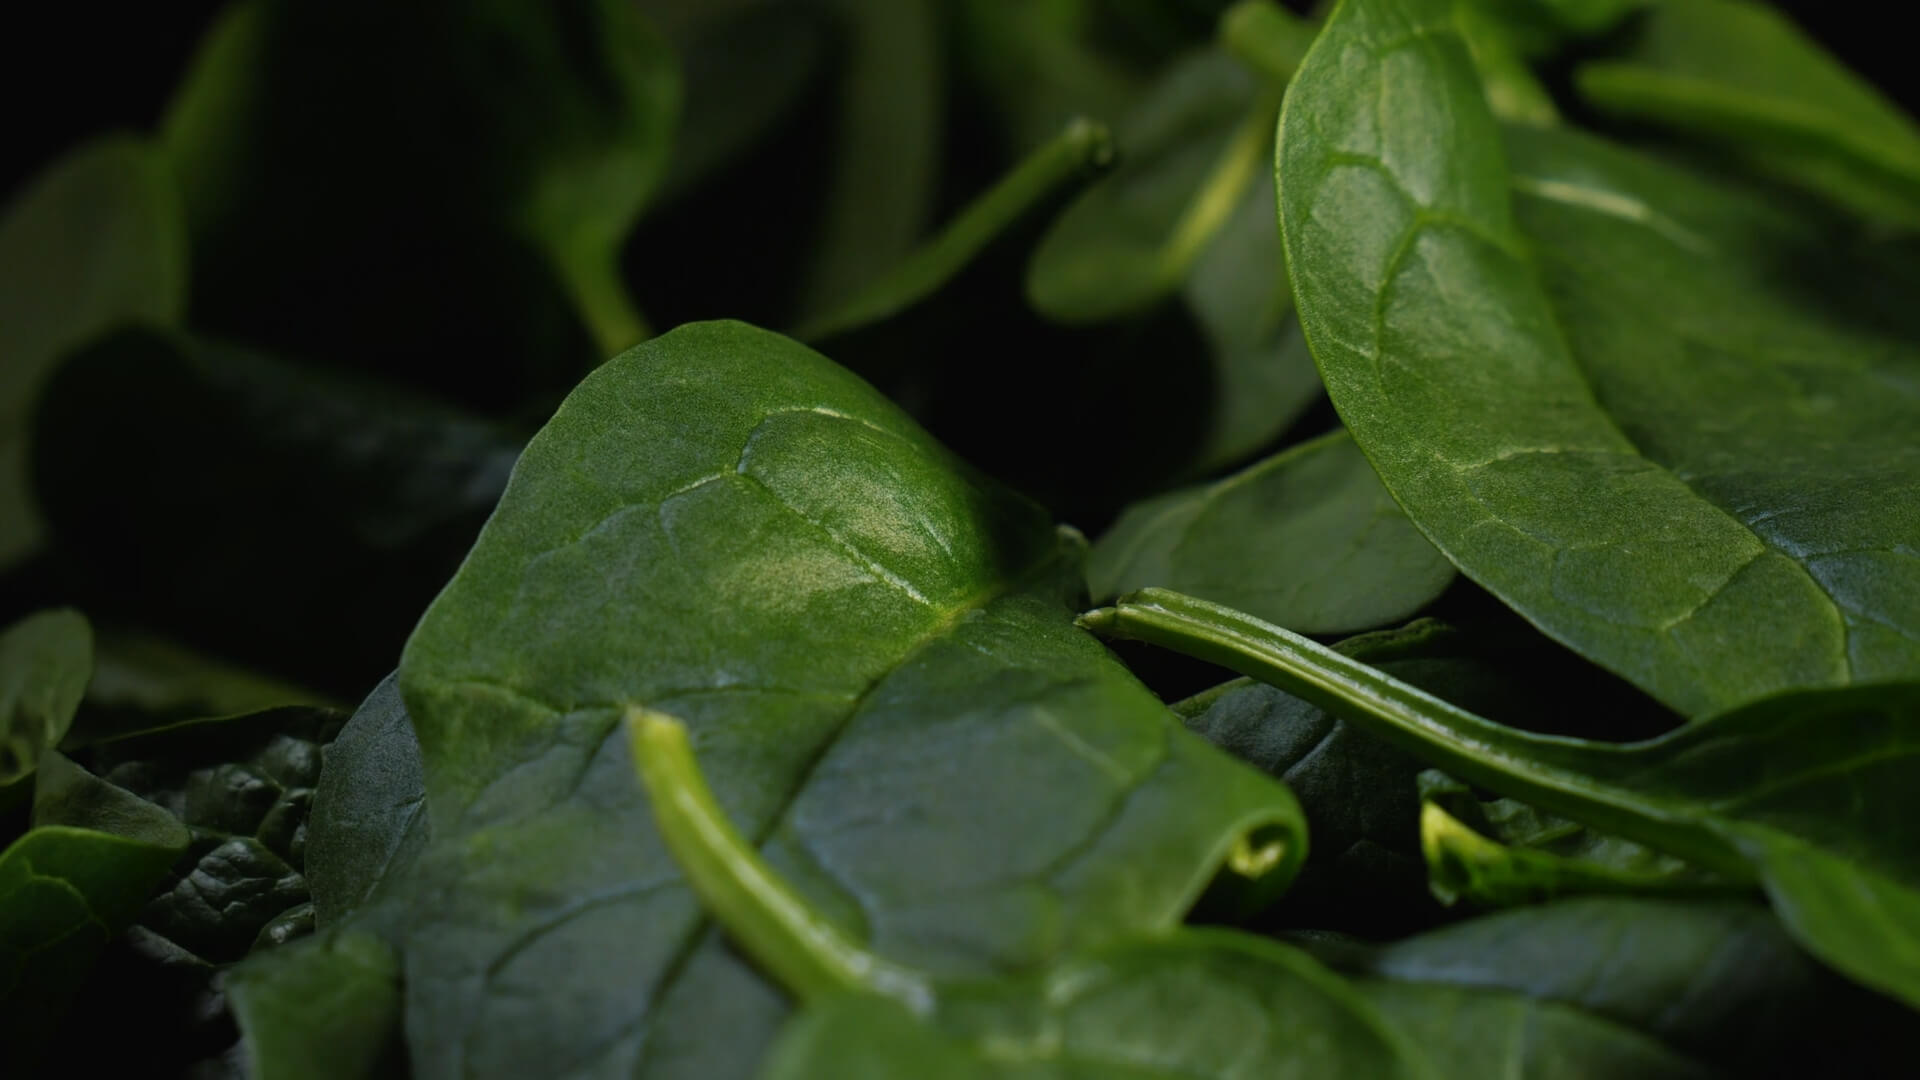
x=46, y=660
x=1308, y=539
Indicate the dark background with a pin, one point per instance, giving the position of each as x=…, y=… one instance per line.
x=85, y=68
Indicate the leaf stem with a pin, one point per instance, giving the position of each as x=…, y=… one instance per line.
x=776, y=926
x=1266, y=37
x=592, y=280
x=1570, y=777
x=1081, y=152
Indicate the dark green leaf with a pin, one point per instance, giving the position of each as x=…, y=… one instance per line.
x=1806, y=793
x=1307, y=538
x=1191, y=153
x=1742, y=74
x=254, y=506
x=243, y=786
x=1718, y=980
x=1641, y=414
x=45, y=662
x=96, y=240
x=858, y=629
x=369, y=811
x=77, y=878
x=326, y=1008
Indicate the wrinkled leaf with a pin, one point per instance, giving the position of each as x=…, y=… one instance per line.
x=1642, y=410
x=1307, y=539
x=856, y=628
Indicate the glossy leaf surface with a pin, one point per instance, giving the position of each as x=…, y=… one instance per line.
x=856, y=628
x=1308, y=539
x=1621, y=398
x=97, y=240
x=1805, y=792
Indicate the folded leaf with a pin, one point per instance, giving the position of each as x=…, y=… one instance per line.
x=1645, y=410
x=860, y=632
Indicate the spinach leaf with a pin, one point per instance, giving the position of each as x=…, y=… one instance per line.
x=1307, y=538
x=1077, y=154
x=45, y=662
x=1192, y=152
x=1184, y=1003
x=1641, y=413
x=390, y=187
x=1718, y=980
x=243, y=787
x=98, y=239
x=369, y=817
x=858, y=629
x=1804, y=793
x=321, y=1009
x=1743, y=75
x=1505, y=852
x=1186, y=217
x=74, y=880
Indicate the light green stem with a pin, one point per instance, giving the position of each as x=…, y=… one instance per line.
x=1565, y=776
x=774, y=925
x=1266, y=37
x=1081, y=152
x=592, y=280
x=1220, y=194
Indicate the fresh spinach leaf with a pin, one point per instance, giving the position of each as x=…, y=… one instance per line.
x=1307, y=538
x=243, y=786
x=369, y=817
x=74, y=880
x=1743, y=75
x=98, y=239
x=858, y=628
x=45, y=662
x=386, y=187
x=1622, y=411
x=325, y=1008
x=1184, y=1003
x=1803, y=793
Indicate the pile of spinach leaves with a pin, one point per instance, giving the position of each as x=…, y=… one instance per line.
x=669, y=421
